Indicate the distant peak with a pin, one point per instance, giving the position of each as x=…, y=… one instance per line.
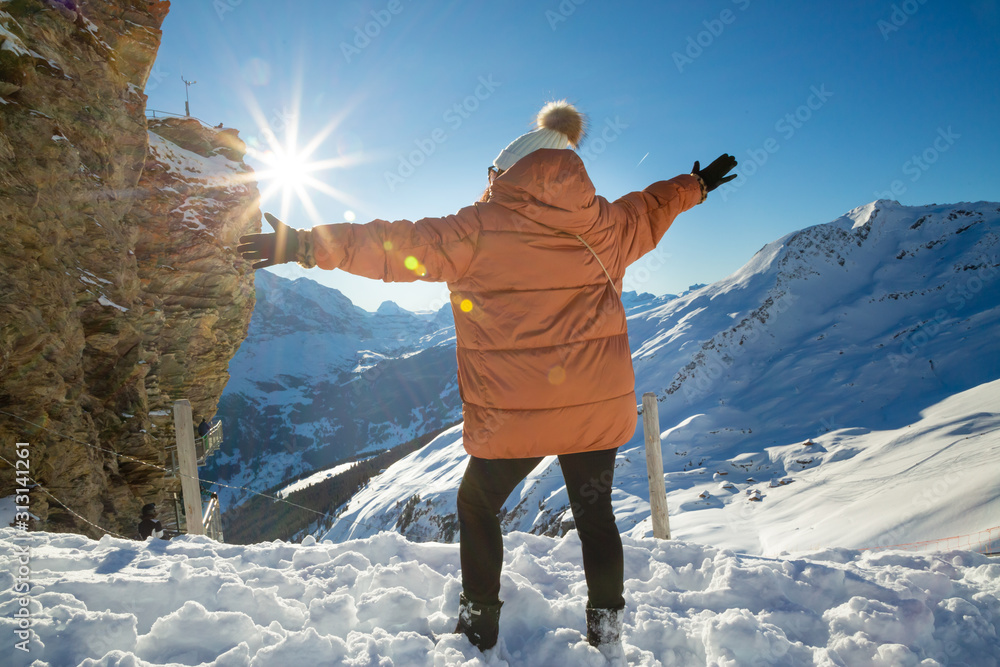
x=862, y=215
x=389, y=308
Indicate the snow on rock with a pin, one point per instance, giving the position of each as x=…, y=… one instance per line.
x=105, y=301
x=384, y=600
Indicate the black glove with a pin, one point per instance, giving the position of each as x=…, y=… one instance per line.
x=270, y=249
x=714, y=174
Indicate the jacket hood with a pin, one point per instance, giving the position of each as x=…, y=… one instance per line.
x=551, y=187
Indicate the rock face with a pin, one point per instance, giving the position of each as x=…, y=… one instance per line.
x=197, y=199
x=117, y=268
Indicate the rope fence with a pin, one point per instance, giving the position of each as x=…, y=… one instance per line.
x=151, y=113
x=64, y=505
x=163, y=469
x=986, y=541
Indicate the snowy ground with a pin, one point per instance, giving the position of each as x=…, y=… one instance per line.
x=381, y=600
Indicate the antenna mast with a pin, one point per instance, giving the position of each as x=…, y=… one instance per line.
x=187, y=88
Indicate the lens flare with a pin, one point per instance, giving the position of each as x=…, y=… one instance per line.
x=290, y=170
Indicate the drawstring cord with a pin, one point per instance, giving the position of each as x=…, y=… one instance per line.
x=603, y=268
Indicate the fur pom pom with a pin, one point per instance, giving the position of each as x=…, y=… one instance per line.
x=563, y=117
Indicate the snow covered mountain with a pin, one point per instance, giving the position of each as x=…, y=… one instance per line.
x=841, y=357
x=319, y=380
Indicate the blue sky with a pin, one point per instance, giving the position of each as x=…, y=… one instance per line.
x=827, y=107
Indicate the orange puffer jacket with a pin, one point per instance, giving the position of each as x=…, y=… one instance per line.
x=544, y=365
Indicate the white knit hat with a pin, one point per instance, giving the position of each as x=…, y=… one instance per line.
x=560, y=125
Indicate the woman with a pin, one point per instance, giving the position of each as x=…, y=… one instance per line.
x=535, y=273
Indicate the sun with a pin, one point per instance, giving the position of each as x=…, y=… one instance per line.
x=289, y=169
x=292, y=173
x=288, y=172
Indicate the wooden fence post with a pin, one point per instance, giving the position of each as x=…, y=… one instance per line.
x=654, y=467
x=187, y=467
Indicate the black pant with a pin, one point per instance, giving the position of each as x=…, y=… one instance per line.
x=485, y=487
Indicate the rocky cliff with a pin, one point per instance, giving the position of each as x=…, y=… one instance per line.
x=197, y=198
x=120, y=291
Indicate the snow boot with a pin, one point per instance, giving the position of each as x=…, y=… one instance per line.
x=479, y=622
x=604, y=631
